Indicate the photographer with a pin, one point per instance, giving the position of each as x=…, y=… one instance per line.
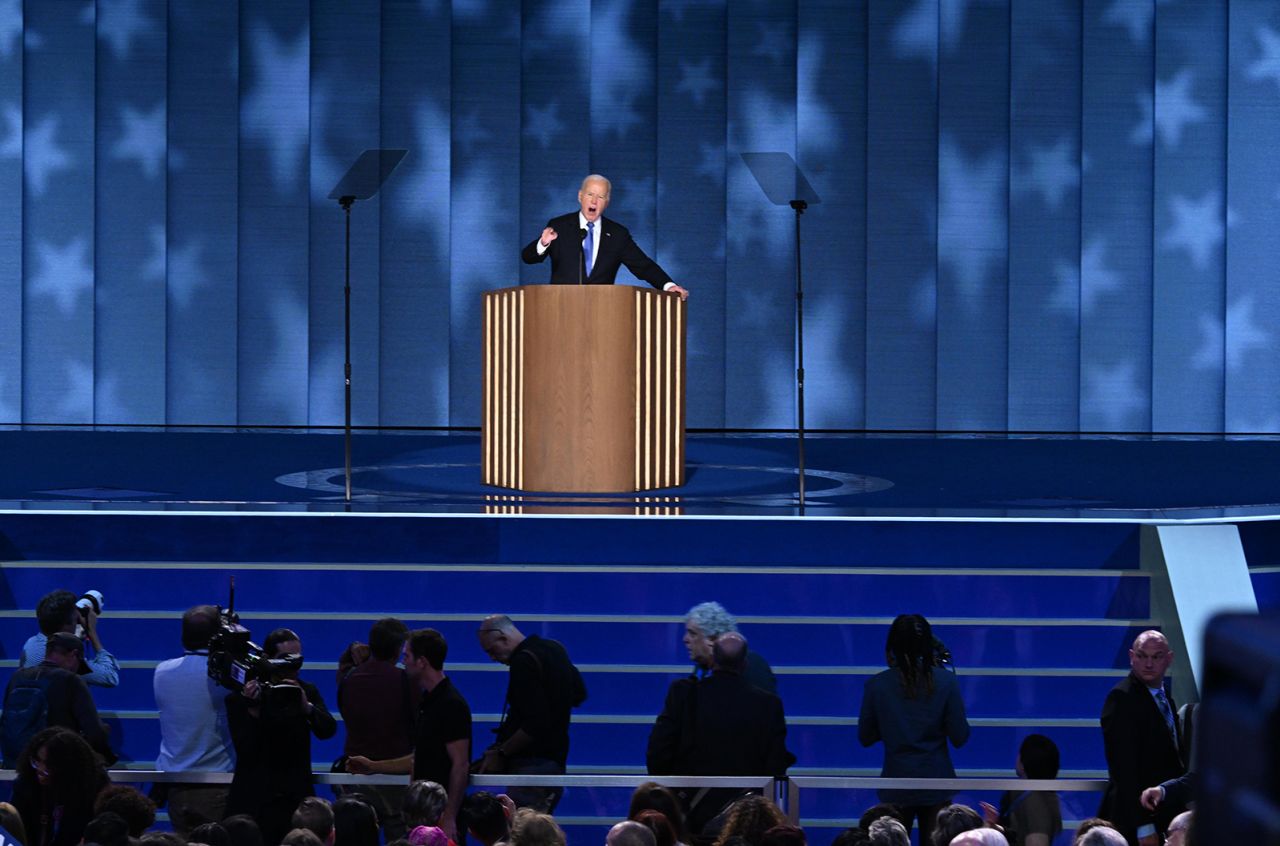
x=59, y=612
x=271, y=727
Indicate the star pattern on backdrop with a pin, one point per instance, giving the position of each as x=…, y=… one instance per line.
x=972, y=216
x=928, y=27
x=1113, y=395
x=11, y=143
x=773, y=42
x=696, y=80
x=177, y=266
x=1268, y=64
x=1080, y=287
x=543, y=124
x=469, y=134
x=75, y=403
x=63, y=273
x=611, y=36
x=1174, y=109
x=1135, y=16
x=10, y=26
x=276, y=111
x=41, y=155
x=711, y=162
x=1198, y=227
x=120, y=22
x=1232, y=340
x=1052, y=172
x=144, y=138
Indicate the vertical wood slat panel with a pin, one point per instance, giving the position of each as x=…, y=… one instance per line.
x=503, y=390
x=659, y=368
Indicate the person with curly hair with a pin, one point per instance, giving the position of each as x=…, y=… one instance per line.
x=914, y=711
x=749, y=818
x=58, y=780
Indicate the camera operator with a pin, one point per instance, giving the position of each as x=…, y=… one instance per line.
x=57, y=612
x=271, y=726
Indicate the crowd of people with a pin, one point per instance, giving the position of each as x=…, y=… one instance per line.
x=404, y=717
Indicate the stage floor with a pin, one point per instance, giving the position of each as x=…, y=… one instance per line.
x=870, y=476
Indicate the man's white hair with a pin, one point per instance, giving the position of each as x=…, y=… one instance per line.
x=595, y=177
x=980, y=837
x=1102, y=836
x=887, y=831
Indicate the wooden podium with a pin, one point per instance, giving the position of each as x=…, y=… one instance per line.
x=583, y=389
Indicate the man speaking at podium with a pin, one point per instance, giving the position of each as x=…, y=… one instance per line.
x=586, y=248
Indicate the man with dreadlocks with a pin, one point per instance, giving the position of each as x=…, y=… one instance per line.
x=914, y=711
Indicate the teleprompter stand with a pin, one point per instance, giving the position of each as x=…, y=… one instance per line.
x=784, y=184
x=361, y=181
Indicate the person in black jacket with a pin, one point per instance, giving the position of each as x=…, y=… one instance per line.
x=69, y=702
x=543, y=686
x=586, y=248
x=272, y=735
x=1142, y=741
x=722, y=725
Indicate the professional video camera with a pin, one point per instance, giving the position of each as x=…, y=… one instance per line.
x=235, y=660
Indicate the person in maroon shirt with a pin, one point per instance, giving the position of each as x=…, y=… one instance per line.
x=442, y=734
x=378, y=702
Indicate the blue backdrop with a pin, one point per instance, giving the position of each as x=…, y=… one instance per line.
x=1036, y=214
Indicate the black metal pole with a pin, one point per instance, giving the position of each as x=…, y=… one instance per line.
x=800, y=206
x=346, y=292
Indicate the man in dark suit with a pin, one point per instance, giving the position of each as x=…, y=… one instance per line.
x=1142, y=741
x=721, y=725
x=587, y=248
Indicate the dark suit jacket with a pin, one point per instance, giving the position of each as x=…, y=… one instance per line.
x=1140, y=754
x=616, y=249
x=721, y=725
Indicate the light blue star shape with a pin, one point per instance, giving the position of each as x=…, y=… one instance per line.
x=543, y=124
x=972, y=216
x=928, y=27
x=277, y=111
x=1174, y=109
x=1243, y=333
x=178, y=267
x=76, y=402
x=773, y=43
x=1230, y=340
x=1081, y=287
x=1112, y=395
x=469, y=132
x=711, y=162
x=427, y=174
x=11, y=145
x=1133, y=15
x=1053, y=171
x=107, y=405
x=10, y=26
x=145, y=138
x=1198, y=227
x=64, y=273
x=612, y=36
x=120, y=22
x=1268, y=64
x=41, y=155
x=696, y=80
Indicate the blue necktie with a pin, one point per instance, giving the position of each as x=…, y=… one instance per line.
x=1166, y=712
x=588, y=244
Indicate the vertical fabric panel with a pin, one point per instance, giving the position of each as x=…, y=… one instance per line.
x=760, y=264
x=1252, y=247
x=1044, y=219
x=973, y=217
x=902, y=203
x=275, y=82
x=200, y=241
x=132, y=164
x=486, y=143
x=556, y=119
x=58, y=212
x=831, y=115
x=623, y=103
x=414, y=306
x=690, y=164
x=11, y=244
x=1190, y=217
x=1116, y=222
x=345, y=63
